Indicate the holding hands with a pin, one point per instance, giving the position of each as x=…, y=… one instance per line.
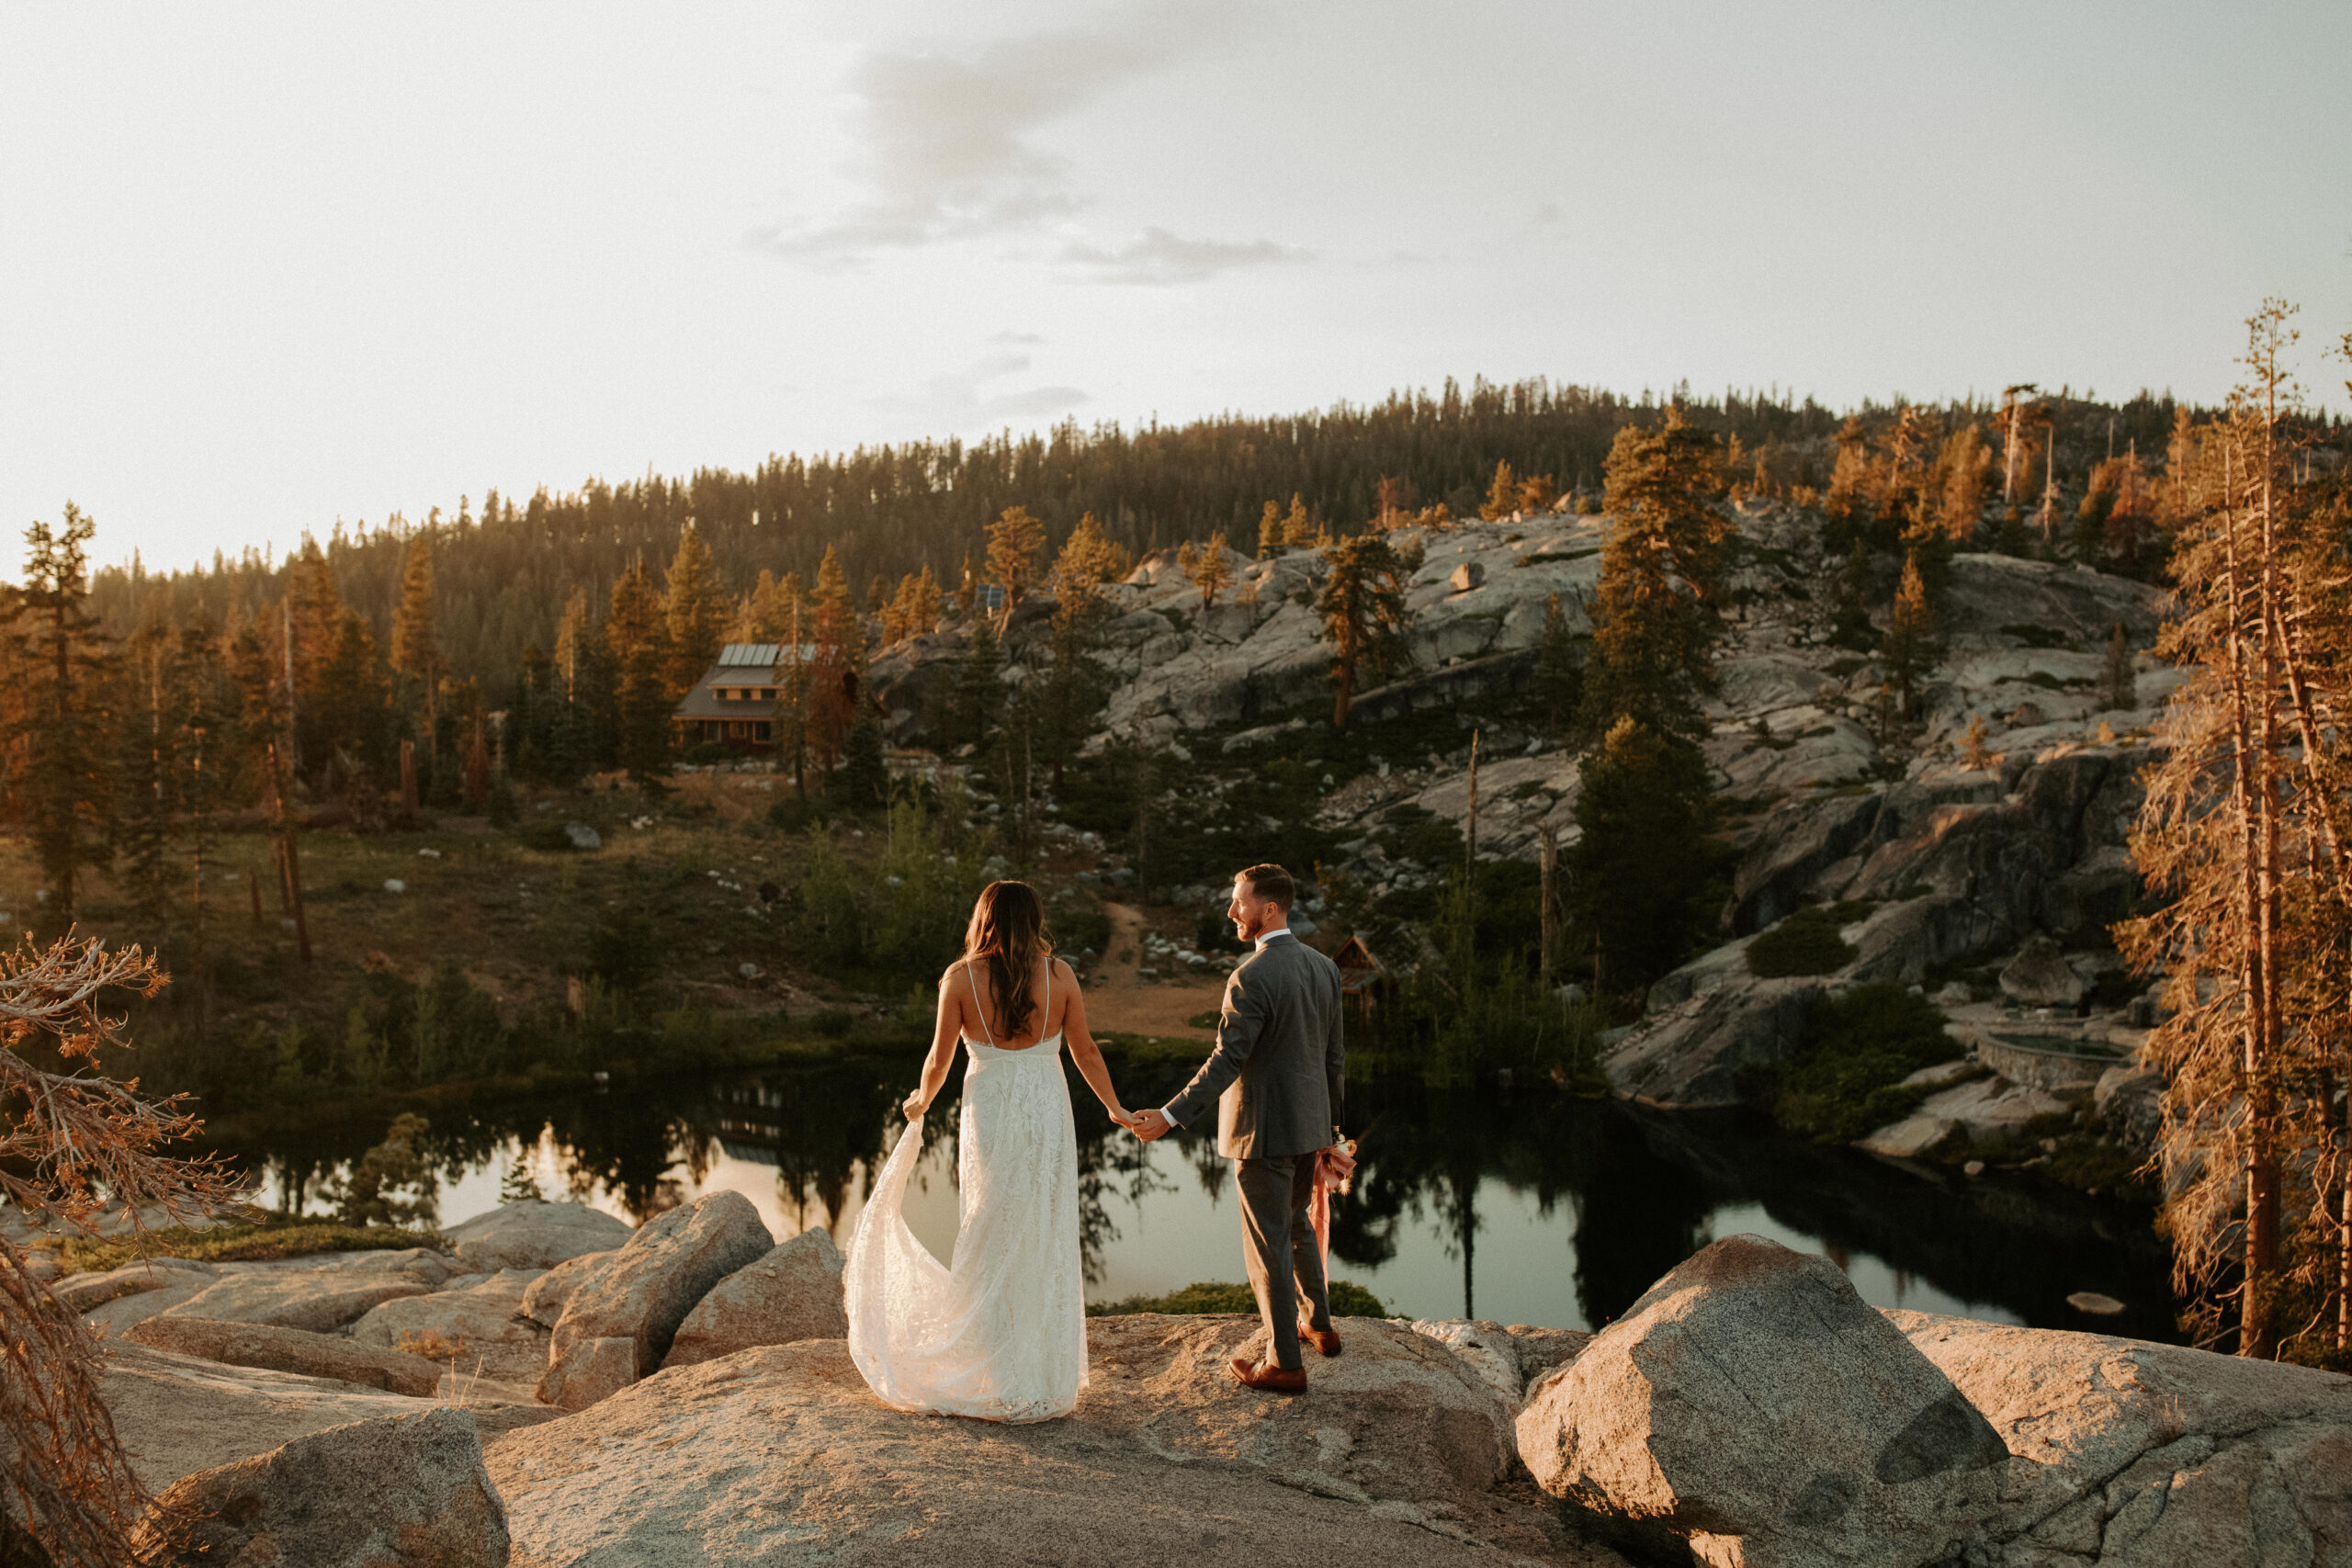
x=1148, y=1124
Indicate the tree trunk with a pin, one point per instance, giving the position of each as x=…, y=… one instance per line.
x=1547, y=866
x=2253, y=800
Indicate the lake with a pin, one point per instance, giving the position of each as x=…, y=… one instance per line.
x=1527, y=1207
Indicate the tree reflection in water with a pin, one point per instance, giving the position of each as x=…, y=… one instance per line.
x=1640, y=1190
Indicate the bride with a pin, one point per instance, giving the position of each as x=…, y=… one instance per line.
x=1000, y=1333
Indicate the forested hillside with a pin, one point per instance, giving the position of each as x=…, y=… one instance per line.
x=505, y=567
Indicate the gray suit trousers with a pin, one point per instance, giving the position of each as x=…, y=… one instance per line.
x=1279, y=1244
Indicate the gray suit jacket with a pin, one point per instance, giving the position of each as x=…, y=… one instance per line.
x=1279, y=1072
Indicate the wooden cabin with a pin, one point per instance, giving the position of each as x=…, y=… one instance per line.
x=1362, y=977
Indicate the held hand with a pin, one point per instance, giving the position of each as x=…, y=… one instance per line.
x=913, y=1105
x=1124, y=1117
x=1150, y=1124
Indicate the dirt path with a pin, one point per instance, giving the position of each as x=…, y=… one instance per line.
x=1117, y=1000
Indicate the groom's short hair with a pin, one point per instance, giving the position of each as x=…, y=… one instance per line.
x=1272, y=884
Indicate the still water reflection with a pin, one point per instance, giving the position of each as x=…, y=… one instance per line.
x=1529, y=1207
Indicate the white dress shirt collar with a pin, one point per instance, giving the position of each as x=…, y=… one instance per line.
x=1265, y=937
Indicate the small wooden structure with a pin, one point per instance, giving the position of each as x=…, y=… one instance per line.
x=1362, y=977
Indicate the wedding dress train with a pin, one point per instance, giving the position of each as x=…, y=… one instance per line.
x=999, y=1334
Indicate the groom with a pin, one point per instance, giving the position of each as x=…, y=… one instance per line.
x=1277, y=1077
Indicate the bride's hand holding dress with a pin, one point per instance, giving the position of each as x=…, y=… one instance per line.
x=999, y=1333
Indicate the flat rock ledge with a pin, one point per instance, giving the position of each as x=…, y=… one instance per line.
x=1399, y=1454
x=1749, y=1412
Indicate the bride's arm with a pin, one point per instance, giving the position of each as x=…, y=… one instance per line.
x=943, y=1049
x=1085, y=1053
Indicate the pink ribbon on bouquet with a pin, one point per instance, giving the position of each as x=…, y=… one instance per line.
x=1334, y=1167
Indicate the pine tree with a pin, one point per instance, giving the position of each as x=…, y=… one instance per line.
x=1910, y=645
x=1015, y=539
x=636, y=620
x=1640, y=863
x=1656, y=615
x=2117, y=685
x=63, y=721
x=979, y=694
x=1364, y=614
x=416, y=648
x=877, y=595
x=643, y=713
x=923, y=604
x=1502, y=495
x=838, y=663
x=1209, y=570
x=1298, y=531
x=2244, y=845
x=695, y=613
x=864, y=778
x=145, y=788
x=1538, y=493
x=1086, y=562
x=967, y=590
x=1559, y=672
x=1974, y=754
x=1270, y=532
x=1965, y=465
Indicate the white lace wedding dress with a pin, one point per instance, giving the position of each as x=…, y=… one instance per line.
x=1001, y=1334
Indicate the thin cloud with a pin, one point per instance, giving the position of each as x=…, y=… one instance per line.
x=960, y=400
x=949, y=138
x=1160, y=258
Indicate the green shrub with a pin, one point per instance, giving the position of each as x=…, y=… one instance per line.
x=1348, y=1300
x=1807, y=942
x=1843, y=1081
x=265, y=1242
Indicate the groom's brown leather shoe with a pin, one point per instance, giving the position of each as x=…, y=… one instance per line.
x=1325, y=1340
x=1267, y=1376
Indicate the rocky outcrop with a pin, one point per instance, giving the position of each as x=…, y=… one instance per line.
x=1690, y=1053
x=1394, y=1456
x=319, y=1300
x=1507, y=1359
x=480, y=1323
x=177, y=1414
x=2125, y=1453
x=2039, y=976
x=400, y=1490
x=644, y=1290
x=545, y=1298
x=2128, y=1099
x=534, y=1236
x=1750, y=1409
x=290, y=1350
x=795, y=1293
x=1953, y=867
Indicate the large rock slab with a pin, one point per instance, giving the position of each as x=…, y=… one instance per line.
x=795, y=1293
x=178, y=1414
x=481, y=1321
x=317, y=1298
x=2128, y=1452
x=290, y=1350
x=1690, y=1054
x=534, y=1236
x=649, y=1286
x=395, y=1490
x=1386, y=1461
x=547, y=1296
x=86, y=1293
x=1751, y=1410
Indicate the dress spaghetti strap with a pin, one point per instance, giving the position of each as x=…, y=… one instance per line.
x=976, y=1002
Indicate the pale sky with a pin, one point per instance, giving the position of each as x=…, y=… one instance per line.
x=262, y=267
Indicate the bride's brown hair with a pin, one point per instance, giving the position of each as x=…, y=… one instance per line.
x=1008, y=929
